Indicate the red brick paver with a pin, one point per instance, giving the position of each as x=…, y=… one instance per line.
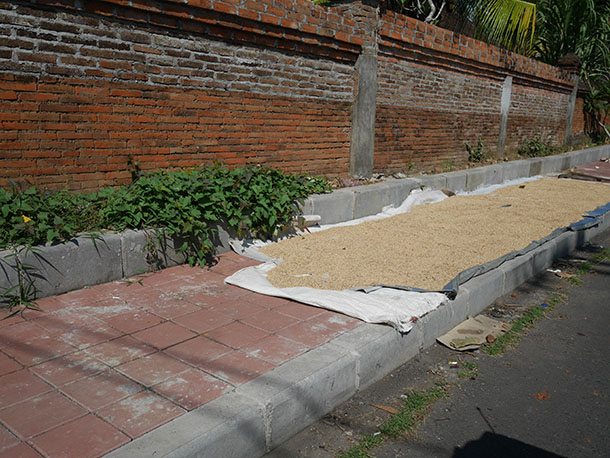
x=21, y=450
x=8, y=365
x=191, y=388
x=164, y=335
x=140, y=413
x=104, y=365
x=87, y=436
x=37, y=415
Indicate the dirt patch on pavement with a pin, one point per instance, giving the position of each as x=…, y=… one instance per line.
x=430, y=245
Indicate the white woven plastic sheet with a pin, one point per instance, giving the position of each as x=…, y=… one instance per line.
x=395, y=307
x=380, y=305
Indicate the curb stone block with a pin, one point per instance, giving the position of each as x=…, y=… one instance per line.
x=586, y=236
x=83, y=261
x=307, y=205
x=137, y=257
x=231, y=425
x=544, y=256
x=433, y=181
x=552, y=164
x=370, y=199
x=8, y=274
x=365, y=341
x=133, y=253
x=565, y=244
x=436, y=323
x=516, y=169
x=595, y=154
x=576, y=159
x=495, y=174
x=456, y=181
x=303, y=390
x=476, y=178
x=535, y=167
x=483, y=290
x=333, y=208
x=517, y=271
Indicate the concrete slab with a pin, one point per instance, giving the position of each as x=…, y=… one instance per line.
x=456, y=181
x=484, y=176
x=370, y=199
x=232, y=425
x=303, y=390
x=516, y=169
x=433, y=181
x=332, y=208
x=365, y=341
x=82, y=261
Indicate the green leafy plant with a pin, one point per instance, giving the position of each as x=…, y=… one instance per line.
x=184, y=205
x=29, y=216
x=476, y=153
x=535, y=147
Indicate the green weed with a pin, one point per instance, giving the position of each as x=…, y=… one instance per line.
x=602, y=256
x=535, y=147
x=469, y=370
x=527, y=320
x=414, y=407
x=250, y=200
x=476, y=153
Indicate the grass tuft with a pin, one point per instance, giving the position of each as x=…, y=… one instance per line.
x=520, y=325
x=469, y=370
x=409, y=416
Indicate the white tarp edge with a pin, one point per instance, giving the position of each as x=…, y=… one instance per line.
x=380, y=305
x=384, y=305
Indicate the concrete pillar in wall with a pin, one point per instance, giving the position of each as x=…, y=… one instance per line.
x=570, y=115
x=362, y=147
x=507, y=89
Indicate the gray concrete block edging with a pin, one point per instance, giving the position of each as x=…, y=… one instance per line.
x=86, y=261
x=260, y=415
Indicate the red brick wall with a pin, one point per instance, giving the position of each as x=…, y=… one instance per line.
x=81, y=93
x=536, y=112
x=440, y=91
x=578, y=123
x=174, y=83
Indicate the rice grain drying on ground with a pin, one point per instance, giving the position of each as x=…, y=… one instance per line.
x=431, y=244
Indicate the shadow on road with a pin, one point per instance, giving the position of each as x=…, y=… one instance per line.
x=499, y=446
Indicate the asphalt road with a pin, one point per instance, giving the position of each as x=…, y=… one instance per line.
x=546, y=397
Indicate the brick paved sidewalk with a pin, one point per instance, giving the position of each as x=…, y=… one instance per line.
x=104, y=365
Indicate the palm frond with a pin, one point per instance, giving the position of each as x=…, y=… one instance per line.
x=507, y=23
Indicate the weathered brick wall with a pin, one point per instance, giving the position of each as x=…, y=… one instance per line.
x=81, y=93
x=440, y=91
x=84, y=86
x=537, y=113
x=579, y=123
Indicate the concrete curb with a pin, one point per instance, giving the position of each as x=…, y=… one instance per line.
x=260, y=415
x=350, y=203
x=86, y=261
